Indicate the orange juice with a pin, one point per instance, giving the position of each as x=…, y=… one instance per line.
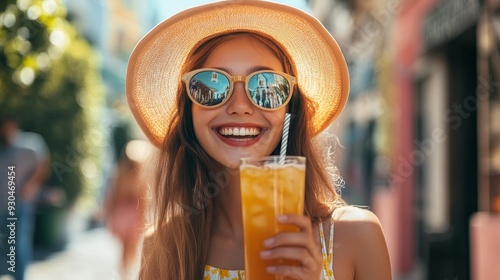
x=268, y=189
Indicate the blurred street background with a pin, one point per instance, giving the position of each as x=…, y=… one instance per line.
x=418, y=142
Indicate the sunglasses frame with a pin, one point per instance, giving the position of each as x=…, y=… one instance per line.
x=186, y=78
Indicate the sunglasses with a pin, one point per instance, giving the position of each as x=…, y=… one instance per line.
x=267, y=89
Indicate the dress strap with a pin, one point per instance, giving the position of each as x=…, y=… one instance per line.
x=327, y=252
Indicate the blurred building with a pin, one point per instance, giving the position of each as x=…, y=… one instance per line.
x=421, y=143
x=113, y=27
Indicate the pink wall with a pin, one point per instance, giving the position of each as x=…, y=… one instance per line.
x=407, y=41
x=485, y=246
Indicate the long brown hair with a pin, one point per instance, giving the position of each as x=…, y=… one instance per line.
x=183, y=191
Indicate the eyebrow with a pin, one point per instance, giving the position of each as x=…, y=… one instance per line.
x=250, y=70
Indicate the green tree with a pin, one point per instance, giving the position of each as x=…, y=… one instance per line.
x=50, y=79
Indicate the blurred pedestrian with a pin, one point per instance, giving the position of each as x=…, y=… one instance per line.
x=26, y=156
x=124, y=205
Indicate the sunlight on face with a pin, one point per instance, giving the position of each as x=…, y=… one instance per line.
x=238, y=128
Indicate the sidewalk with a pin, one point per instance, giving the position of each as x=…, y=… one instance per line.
x=88, y=255
x=93, y=254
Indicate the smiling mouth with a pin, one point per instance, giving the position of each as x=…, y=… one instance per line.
x=239, y=133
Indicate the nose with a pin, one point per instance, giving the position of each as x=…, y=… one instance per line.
x=238, y=103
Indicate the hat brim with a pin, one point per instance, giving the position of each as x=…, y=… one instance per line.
x=153, y=73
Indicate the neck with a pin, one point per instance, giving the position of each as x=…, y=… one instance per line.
x=228, y=219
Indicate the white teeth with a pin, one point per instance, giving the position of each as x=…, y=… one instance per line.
x=242, y=131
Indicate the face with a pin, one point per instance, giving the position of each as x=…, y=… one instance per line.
x=238, y=128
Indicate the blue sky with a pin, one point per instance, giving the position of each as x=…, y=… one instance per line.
x=171, y=7
x=162, y=9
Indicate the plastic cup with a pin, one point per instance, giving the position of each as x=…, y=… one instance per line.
x=268, y=189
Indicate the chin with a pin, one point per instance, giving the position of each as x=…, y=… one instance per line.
x=232, y=160
x=232, y=164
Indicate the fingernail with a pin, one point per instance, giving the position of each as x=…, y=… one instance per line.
x=265, y=253
x=282, y=218
x=269, y=242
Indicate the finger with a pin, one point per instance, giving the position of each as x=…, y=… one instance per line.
x=303, y=238
x=292, y=272
x=298, y=239
x=301, y=255
x=302, y=222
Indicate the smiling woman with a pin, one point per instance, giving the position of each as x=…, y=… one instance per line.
x=221, y=94
x=240, y=53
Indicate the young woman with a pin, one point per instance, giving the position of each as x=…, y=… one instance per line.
x=202, y=132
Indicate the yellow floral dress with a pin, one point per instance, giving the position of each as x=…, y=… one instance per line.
x=212, y=273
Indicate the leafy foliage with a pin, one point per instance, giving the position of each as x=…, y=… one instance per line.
x=49, y=79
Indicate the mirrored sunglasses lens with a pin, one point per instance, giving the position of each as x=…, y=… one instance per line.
x=209, y=88
x=269, y=90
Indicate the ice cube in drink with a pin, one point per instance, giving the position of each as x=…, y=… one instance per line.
x=268, y=189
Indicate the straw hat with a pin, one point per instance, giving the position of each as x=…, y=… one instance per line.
x=153, y=73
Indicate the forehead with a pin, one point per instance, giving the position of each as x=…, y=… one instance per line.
x=243, y=51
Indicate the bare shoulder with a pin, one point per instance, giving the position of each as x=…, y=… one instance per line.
x=358, y=227
x=357, y=217
x=359, y=232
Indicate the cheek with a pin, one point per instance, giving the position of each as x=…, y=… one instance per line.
x=198, y=123
x=276, y=120
x=201, y=120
